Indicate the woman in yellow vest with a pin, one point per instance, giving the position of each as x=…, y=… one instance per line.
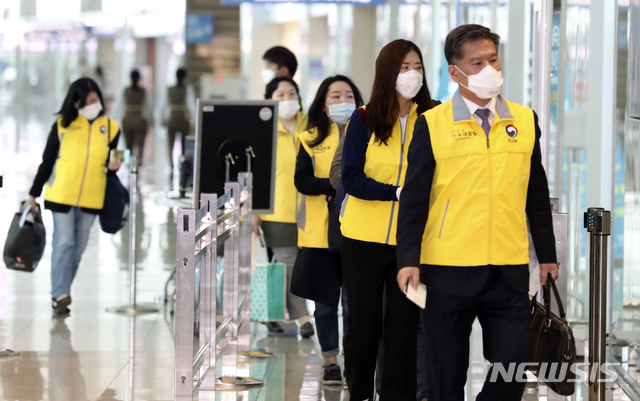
x=374, y=163
x=74, y=170
x=318, y=272
x=280, y=231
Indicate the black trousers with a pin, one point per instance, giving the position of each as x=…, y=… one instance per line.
x=367, y=267
x=504, y=314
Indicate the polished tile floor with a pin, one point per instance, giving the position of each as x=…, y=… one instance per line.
x=96, y=355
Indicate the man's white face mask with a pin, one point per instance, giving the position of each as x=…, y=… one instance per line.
x=485, y=84
x=268, y=75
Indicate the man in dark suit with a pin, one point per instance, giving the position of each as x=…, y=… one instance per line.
x=474, y=176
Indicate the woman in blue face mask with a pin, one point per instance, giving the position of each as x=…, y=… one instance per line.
x=317, y=273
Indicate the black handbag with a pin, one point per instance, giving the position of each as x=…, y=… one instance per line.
x=115, y=210
x=25, y=241
x=552, y=345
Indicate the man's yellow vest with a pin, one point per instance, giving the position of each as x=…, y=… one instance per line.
x=286, y=194
x=313, y=213
x=477, y=210
x=79, y=176
x=376, y=221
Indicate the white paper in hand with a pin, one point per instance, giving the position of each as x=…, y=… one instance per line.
x=534, y=282
x=419, y=296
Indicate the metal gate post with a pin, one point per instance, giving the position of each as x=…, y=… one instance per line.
x=597, y=221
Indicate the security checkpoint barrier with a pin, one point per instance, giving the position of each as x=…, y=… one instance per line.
x=213, y=299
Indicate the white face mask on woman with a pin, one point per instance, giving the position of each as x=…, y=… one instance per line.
x=485, y=84
x=339, y=113
x=409, y=83
x=288, y=108
x=91, y=111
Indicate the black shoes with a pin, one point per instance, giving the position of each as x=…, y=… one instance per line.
x=60, y=304
x=332, y=375
x=274, y=328
x=306, y=330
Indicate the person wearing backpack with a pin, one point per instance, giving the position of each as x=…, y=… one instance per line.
x=318, y=263
x=74, y=169
x=373, y=168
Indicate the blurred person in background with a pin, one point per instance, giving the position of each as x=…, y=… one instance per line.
x=136, y=109
x=278, y=62
x=335, y=101
x=280, y=230
x=179, y=112
x=74, y=169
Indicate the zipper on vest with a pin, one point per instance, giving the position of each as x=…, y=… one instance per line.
x=490, y=222
x=402, y=140
x=86, y=165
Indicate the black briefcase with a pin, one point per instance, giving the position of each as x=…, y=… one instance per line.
x=553, y=346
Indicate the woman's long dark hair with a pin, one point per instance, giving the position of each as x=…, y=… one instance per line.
x=318, y=120
x=383, y=108
x=78, y=91
x=135, y=77
x=273, y=86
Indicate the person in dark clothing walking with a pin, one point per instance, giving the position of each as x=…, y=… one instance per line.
x=335, y=101
x=373, y=171
x=181, y=109
x=136, y=116
x=475, y=174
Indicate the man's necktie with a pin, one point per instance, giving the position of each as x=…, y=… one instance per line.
x=484, y=116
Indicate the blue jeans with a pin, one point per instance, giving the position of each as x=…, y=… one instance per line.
x=70, y=237
x=327, y=325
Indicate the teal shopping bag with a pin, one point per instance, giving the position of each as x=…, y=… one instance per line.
x=268, y=292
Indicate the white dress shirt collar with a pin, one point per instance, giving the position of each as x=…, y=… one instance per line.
x=473, y=107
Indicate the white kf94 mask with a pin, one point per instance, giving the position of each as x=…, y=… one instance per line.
x=485, y=84
x=409, y=83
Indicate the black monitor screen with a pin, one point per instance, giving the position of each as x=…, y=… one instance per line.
x=224, y=131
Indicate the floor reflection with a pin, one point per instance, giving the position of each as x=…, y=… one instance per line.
x=21, y=377
x=108, y=395
x=65, y=380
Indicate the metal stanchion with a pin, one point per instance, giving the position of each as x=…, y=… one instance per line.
x=597, y=221
x=132, y=308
